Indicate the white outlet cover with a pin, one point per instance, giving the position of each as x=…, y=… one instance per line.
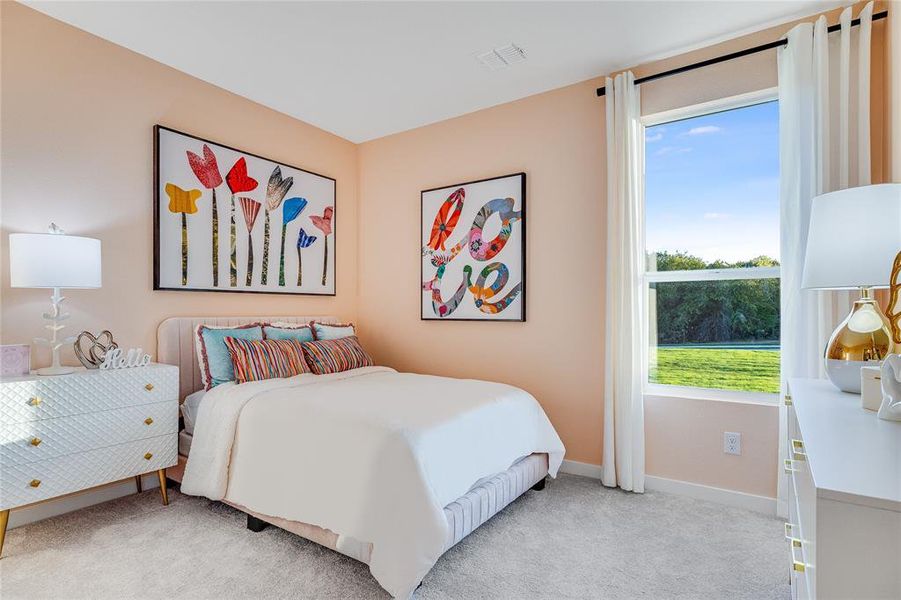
x=732, y=442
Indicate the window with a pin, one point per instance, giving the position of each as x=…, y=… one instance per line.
x=712, y=239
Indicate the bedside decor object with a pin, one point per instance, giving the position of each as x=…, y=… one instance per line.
x=54, y=260
x=217, y=185
x=133, y=357
x=890, y=410
x=97, y=347
x=894, y=300
x=464, y=276
x=15, y=359
x=66, y=434
x=854, y=236
x=870, y=388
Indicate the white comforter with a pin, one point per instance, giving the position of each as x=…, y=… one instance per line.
x=370, y=453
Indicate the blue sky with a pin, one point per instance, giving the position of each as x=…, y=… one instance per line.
x=712, y=184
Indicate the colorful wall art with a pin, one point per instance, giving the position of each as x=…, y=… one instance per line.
x=226, y=220
x=474, y=251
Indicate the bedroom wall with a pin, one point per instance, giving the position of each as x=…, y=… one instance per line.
x=77, y=115
x=893, y=69
x=557, y=138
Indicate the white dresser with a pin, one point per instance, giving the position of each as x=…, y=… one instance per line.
x=844, y=528
x=67, y=433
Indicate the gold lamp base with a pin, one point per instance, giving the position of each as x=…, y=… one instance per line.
x=863, y=339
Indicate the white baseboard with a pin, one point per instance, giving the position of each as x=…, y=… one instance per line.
x=584, y=469
x=760, y=504
x=64, y=504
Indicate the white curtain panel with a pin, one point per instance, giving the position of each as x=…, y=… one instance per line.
x=625, y=341
x=824, y=145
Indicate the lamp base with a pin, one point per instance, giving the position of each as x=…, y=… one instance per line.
x=58, y=370
x=863, y=339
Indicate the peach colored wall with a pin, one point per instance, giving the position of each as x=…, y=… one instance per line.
x=557, y=138
x=893, y=70
x=77, y=116
x=684, y=441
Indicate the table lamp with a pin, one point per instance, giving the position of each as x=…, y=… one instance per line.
x=854, y=236
x=54, y=260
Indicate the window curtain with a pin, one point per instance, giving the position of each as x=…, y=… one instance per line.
x=824, y=145
x=625, y=342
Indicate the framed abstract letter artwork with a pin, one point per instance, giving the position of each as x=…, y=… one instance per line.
x=225, y=220
x=474, y=251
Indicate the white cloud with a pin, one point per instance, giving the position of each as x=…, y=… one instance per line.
x=705, y=129
x=654, y=138
x=716, y=216
x=667, y=150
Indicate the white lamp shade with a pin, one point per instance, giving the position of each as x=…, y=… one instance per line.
x=47, y=260
x=854, y=237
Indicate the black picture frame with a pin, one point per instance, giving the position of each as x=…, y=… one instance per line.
x=524, y=228
x=157, y=128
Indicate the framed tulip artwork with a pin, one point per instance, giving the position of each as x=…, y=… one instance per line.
x=474, y=251
x=226, y=220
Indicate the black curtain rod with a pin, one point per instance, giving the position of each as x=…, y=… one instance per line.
x=712, y=61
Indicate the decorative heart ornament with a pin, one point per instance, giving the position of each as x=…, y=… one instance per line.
x=91, y=350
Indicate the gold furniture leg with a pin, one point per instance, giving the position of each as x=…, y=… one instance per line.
x=4, y=519
x=161, y=473
x=139, y=484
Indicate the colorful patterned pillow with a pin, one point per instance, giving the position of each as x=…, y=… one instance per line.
x=334, y=356
x=325, y=331
x=288, y=331
x=212, y=354
x=255, y=360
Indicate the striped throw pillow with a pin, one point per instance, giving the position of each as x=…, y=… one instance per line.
x=255, y=360
x=334, y=356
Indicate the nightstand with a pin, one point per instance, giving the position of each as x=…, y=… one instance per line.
x=64, y=434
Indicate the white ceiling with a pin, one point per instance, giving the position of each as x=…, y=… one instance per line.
x=364, y=70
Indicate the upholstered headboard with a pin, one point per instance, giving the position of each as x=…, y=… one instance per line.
x=175, y=343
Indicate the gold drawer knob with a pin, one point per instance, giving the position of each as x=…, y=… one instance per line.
x=798, y=566
x=36, y=441
x=788, y=400
x=798, y=450
x=148, y=456
x=790, y=536
x=149, y=387
x=35, y=483
x=148, y=421
x=790, y=466
x=34, y=401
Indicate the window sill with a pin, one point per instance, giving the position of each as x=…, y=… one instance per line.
x=693, y=393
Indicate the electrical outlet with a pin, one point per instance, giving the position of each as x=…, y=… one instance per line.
x=731, y=442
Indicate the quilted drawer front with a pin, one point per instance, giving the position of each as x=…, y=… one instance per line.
x=85, y=392
x=32, y=482
x=34, y=441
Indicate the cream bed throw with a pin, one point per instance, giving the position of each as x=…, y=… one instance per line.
x=369, y=453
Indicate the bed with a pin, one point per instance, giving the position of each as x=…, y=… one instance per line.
x=391, y=469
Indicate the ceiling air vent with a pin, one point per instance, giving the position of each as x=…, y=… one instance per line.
x=500, y=58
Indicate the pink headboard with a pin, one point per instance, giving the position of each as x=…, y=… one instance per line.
x=175, y=343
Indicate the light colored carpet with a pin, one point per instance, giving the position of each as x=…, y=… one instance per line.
x=575, y=539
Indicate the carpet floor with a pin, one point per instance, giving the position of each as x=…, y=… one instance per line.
x=575, y=539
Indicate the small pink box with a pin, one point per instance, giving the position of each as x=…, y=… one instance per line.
x=15, y=360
